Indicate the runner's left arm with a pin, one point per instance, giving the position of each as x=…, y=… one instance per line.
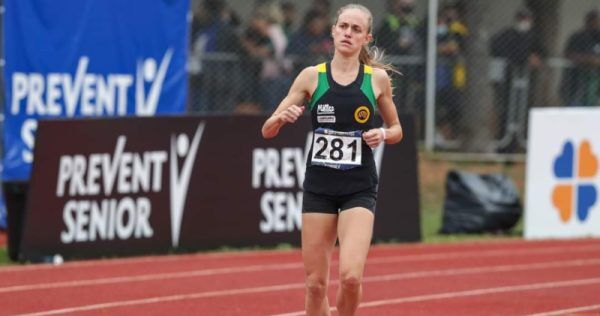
x=387, y=109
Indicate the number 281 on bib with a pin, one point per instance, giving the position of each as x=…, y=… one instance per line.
x=339, y=150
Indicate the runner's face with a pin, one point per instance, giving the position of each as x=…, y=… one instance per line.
x=351, y=31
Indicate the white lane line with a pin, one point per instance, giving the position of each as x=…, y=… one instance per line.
x=162, y=299
x=484, y=253
x=569, y=311
x=442, y=256
x=476, y=270
x=282, y=287
x=484, y=291
x=258, y=254
x=477, y=292
x=147, y=277
x=264, y=268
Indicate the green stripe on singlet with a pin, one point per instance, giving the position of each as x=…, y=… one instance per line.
x=367, y=86
x=322, y=85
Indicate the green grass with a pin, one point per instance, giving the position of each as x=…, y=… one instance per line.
x=4, y=260
x=432, y=221
x=432, y=178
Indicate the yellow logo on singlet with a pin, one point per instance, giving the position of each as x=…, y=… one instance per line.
x=362, y=114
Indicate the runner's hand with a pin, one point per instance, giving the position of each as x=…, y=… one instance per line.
x=291, y=114
x=373, y=137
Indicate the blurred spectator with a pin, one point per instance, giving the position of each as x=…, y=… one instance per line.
x=519, y=52
x=257, y=46
x=451, y=74
x=312, y=42
x=276, y=69
x=581, y=84
x=213, y=33
x=289, y=17
x=323, y=7
x=399, y=35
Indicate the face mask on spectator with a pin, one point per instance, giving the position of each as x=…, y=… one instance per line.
x=523, y=26
x=442, y=29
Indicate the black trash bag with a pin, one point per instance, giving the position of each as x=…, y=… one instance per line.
x=477, y=203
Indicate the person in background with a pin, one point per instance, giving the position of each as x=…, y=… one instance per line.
x=451, y=73
x=290, y=15
x=399, y=35
x=581, y=83
x=311, y=43
x=323, y=7
x=276, y=68
x=213, y=81
x=518, y=50
x=257, y=46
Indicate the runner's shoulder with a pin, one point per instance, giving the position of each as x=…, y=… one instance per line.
x=380, y=75
x=307, y=79
x=309, y=73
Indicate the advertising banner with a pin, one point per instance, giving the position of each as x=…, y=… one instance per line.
x=88, y=58
x=147, y=185
x=562, y=173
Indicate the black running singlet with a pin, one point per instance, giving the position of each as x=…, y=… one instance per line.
x=339, y=161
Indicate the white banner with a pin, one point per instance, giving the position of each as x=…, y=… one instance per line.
x=562, y=173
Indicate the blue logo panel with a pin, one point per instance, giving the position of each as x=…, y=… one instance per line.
x=89, y=58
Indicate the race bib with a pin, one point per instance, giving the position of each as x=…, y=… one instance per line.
x=338, y=150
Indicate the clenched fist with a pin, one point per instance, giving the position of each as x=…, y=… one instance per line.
x=291, y=114
x=374, y=137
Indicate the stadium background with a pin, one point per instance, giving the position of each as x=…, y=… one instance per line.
x=470, y=110
x=464, y=122
x=478, y=101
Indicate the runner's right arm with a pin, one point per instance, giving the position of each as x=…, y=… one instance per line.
x=291, y=107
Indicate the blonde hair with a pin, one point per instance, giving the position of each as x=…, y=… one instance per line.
x=369, y=55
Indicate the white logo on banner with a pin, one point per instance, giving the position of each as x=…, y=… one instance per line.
x=146, y=72
x=117, y=176
x=122, y=178
x=274, y=168
x=62, y=95
x=180, y=148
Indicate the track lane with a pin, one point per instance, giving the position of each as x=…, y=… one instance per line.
x=286, y=260
x=415, y=282
x=267, y=255
x=510, y=300
x=275, y=302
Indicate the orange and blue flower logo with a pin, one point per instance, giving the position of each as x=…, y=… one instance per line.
x=575, y=169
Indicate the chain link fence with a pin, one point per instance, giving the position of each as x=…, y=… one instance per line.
x=493, y=61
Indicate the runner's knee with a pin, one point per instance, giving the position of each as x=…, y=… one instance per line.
x=316, y=286
x=350, y=281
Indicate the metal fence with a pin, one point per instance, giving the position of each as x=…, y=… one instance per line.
x=472, y=68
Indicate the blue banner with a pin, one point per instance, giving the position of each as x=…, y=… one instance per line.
x=89, y=58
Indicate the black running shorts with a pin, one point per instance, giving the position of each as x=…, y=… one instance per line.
x=332, y=204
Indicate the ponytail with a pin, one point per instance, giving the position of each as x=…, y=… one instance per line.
x=373, y=56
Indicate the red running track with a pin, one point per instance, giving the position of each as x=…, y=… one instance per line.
x=512, y=277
